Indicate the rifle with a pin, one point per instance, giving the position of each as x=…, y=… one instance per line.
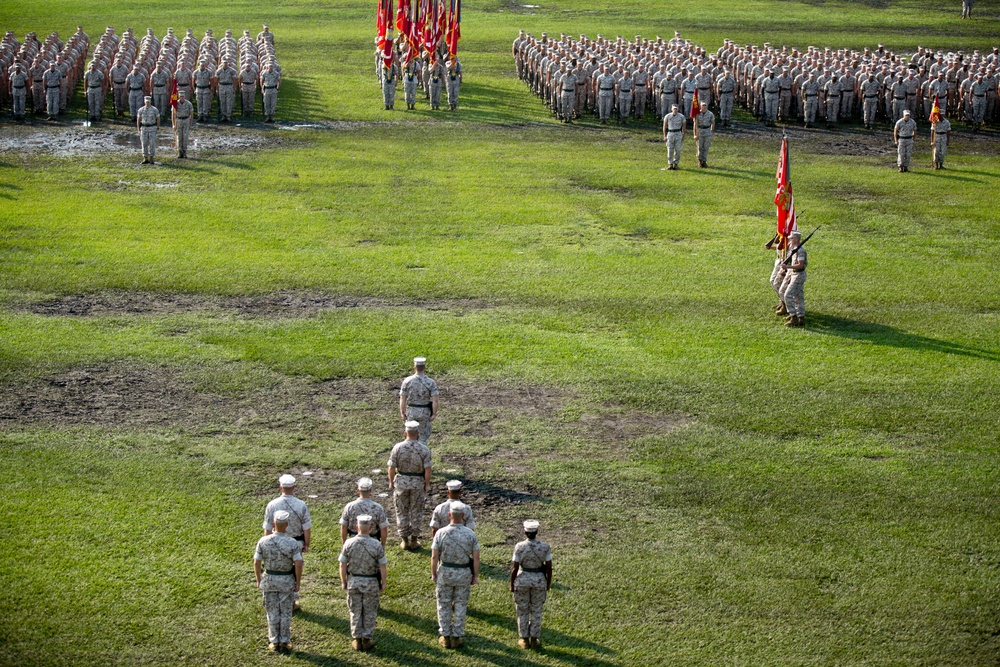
x=788, y=260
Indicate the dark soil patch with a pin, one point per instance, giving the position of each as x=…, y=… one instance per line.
x=282, y=304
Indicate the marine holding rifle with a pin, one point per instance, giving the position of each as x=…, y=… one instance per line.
x=793, y=295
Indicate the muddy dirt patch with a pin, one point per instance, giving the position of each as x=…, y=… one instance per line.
x=282, y=304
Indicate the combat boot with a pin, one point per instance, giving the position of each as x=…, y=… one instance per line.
x=536, y=642
x=790, y=321
x=524, y=642
x=272, y=647
x=457, y=642
x=356, y=644
x=286, y=647
x=801, y=321
x=404, y=544
x=367, y=644
x=781, y=310
x=444, y=641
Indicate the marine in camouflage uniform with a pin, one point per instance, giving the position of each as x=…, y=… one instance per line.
x=704, y=125
x=454, y=84
x=409, y=479
x=94, y=82
x=299, y=521
x=794, y=294
x=18, y=91
x=148, y=122
x=226, y=78
x=673, y=136
x=270, y=82
x=364, y=505
x=180, y=118
x=203, y=82
x=277, y=564
x=940, y=136
x=530, y=580
x=363, y=575
x=903, y=134
x=455, y=569
x=439, y=517
x=418, y=398
x=52, y=79
x=136, y=84
x=411, y=77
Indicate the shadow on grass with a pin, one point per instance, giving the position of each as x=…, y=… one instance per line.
x=554, y=643
x=881, y=334
x=8, y=186
x=297, y=100
x=951, y=176
x=334, y=623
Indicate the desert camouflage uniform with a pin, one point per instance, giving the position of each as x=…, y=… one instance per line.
x=363, y=554
x=606, y=95
x=455, y=545
x=419, y=390
x=278, y=553
x=439, y=517
x=869, y=100
x=19, y=84
x=148, y=117
x=52, y=79
x=359, y=507
x=675, y=136
x=203, y=91
x=529, y=586
x=906, y=128
x=119, y=88
x=941, y=130
x=299, y=520
x=794, y=295
x=227, y=78
x=409, y=458
x=182, y=133
x=161, y=96
x=705, y=121
x=269, y=87
x=136, y=84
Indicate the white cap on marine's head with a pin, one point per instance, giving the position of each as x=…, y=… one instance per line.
x=531, y=526
x=906, y=112
x=364, y=484
x=458, y=508
x=419, y=361
x=286, y=481
x=795, y=235
x=364, y=518
x=411, y=425
x=281, y=516
x=454, y=485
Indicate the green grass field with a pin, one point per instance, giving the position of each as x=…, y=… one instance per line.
x=717, y=489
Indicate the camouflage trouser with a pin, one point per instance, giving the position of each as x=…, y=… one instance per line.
x=978, y=110
x=409, y=503
x=847, y=105
x=898, y=105
x=771, y=107
x=227, y=100
x=270, y=101
x=204, y=98
x=135, y=102
x=811, y=105
x=278, y=599
x=362, y=603
x=38, y=97
x=940, y=148
x=181, y=135
x=870, y=105
x=688, y=101
x=528, y=602
x=624, y=104
x=52, y=101
x=567, y=105
x=453, y=86
x=674, y=140
x=388, y=92
x=777, y=276
x=410, y=90
x=452, y=606
x=119, y=95
x=905, y=151
x=18, y=101
x=423, y=417
x=161, y=100
x=95, y=101
x=784, y=104
x=147, y=139
x=726, y=106
x=704, y=143
x=832, y=109
x=640, y=101
x=248, y=92
x=783, y=286
x=435, y=93
x=795, y=299
x=604, y=104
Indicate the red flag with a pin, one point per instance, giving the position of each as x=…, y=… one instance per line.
x=454, y=27
x=783, y=198
x=173, y=95
x=428, y=21
x=695, y=105
x=442, y=23
x=403, y=16
x=935, y=111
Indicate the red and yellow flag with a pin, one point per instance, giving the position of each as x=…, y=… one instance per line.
x=173, y=95
x=935, y=111
x=695, y=105
x=783, y=198
x=454, y=28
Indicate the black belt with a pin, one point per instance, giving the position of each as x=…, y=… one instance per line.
x=899, y=98
x=55, y=86
x=411, y=474
x=279, y=572
x=16, y=87
x=532, y=569
x=669, y=131
x=640, y=85
x=974, y=95
x=725, y=92
x=909, y=137
x=37, y=80
x=785, y=90
x=911, y=94
x=118, y=83
x=868, y=97
x=183, y=85
x=811, y=95
x=183, y=117
x=607, y=88
x=429, y=405
x=131, y=88
x=148, y=124
x=300, y=538
x=704, y=127
x=273, y=87
x=97, y=86
x=225, y=84
x=831, y=95
x=464, y=566
x=159, y=85
x=366, y=576
x=197, y=86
